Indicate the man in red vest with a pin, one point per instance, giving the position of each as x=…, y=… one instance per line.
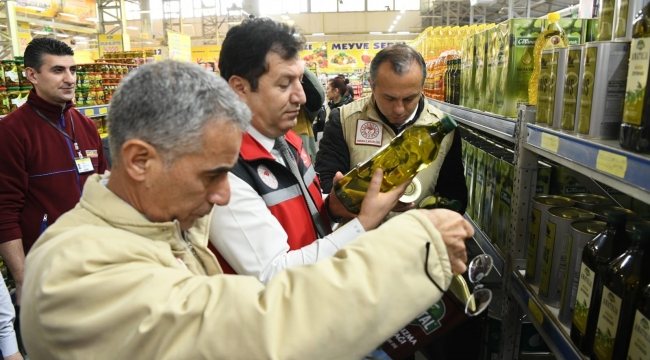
x=277, y=217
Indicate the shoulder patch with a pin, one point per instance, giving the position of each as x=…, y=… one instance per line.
x=267, y=177
x=368, y=133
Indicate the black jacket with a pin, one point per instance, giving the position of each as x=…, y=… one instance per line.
x=334, y=155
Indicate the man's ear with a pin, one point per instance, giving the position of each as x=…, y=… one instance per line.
x=139, y=158
x=30, y=74
x=241, y=86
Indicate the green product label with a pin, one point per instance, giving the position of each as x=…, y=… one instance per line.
x=605, y=20
x=571, y=90
x=587, y=89
x=547, y=258
x=610, y=307
x=574, y=29
x=583, y=297
x=470, y=180
x=640, y=340
x=621, y=19
x=489, y=193
x=565, y=278
x=533, y=242
x=545, y=90
x=479, y=187
x=502, y=69
x=481, y=72
x=429, y=320
x=551, y=88
x=637, y=77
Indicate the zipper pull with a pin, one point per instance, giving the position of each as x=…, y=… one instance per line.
x=44, y=224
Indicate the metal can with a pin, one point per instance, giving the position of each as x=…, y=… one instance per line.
x=572, y=88
x=545, y=87
x=604, y=78
x=582, y=232
x=539, y=217
x=590, y=201
x=555, y=251
x=601, y=212
x=559, y=76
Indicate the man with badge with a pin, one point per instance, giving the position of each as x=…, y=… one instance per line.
x=277, y=217
x=357, y=130
x=48, y=150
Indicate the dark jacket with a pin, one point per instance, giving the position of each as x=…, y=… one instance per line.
x=333, y=155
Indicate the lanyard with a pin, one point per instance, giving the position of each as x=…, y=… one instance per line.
x=73, y=138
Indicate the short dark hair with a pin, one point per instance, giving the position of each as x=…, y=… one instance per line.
x=38, y=48
x=338, y=84
x=244, y=50
x=401, y=57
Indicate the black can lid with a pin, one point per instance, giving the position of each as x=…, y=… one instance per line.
x=641, y=233
x=449, y=123
x=617, y=217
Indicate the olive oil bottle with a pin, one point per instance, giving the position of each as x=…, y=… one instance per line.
x=439, y=202
x=407, y=154
x=623, y=279
x=553, y=36
x=635, y=129
x=596, y=255
x=640, y=338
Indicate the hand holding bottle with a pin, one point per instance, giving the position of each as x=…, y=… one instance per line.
x=454, y=230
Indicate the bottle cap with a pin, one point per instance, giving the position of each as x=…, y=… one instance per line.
x=616, y=217
x=412, y=192
x=449, y=123
x=554, y=16
x=641, y=233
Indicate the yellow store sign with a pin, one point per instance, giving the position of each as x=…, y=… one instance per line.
x=180, y=46
x=24, y=35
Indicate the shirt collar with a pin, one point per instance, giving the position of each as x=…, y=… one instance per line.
x=265, y=141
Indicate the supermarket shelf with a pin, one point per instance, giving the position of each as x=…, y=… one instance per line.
x=544, y=319
x=602, y=160
x=90, y=111
x=486, y=246
x=501, y=127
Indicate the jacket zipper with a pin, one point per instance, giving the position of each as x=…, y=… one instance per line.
x=44, y=224
x=67, y=141
x=192, y=250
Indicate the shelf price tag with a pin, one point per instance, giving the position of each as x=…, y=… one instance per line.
x=536, y=311
x=611, y=163
x=103, y=110
x=89, y=112
x=550, y=142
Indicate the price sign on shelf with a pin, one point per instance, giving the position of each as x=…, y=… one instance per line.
x=550, y=142
x=109, y=43
x=611, y=163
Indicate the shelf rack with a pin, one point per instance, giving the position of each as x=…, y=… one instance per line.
x=90, y=111
x=498, y=126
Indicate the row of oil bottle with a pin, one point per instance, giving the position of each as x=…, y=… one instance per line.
x=564, y=217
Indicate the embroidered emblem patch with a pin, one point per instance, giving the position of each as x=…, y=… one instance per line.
x=91, y=153
x=267, y=177
x=305, y=157
x=368, y=133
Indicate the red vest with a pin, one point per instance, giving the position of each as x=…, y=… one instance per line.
x=280, y=190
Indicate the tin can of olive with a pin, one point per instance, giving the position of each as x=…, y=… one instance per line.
x=582, y=231
x=589, y=201
x=601, y=212
x=572, y=88
x=545, y=89
x=604, y=79
x=538, y=219
x=559, y=75
x=554, y=259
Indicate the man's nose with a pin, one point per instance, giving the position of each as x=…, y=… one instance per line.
x=399, y=107
x=219, y=193
x=69, y=77
x=298, y=95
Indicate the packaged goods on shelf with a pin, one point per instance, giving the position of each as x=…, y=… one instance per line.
x=499, y=75
x=563, y=182
x=480, y=63
x=467, y=73
x=575, y=30
x=501, y=218
x=590, y=202
x=545, y=89
x=605, y=20
x=557, y=86
x=640, y=339
x=491, y=63
x=572, y=88
x=552, y=36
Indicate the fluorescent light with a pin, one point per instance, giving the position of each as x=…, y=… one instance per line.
x=132, y=27
x=394, y=22
x=402, y=11
x=41, y=32
x=68, y=14
x=390, y=30
x=317, y=34
x=92, y=40
x=82, y=42
x=375, y=33
x=290, y=22
x=398, y=17
x=35, y=8
x=80, y=38
x=188, y=25
x=93, y=19
x=3, y=26
x=144, y=11
x=63, y=35
x=285, y=17
x=403, y=33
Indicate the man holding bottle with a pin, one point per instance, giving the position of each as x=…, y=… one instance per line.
x=397, y=75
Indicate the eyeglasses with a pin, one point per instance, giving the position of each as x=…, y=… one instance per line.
x=477, y=269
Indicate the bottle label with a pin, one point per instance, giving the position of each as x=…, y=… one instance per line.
x=571, y=89
x=610, y=308
x=533, y=242
x=640, y=340
x=587, y=89
x=637, y=75
x=545, y=89
x=547, y=258
x=583, y=297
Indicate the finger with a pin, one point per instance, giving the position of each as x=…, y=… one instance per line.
x=338, y=176
x=468, y=228
x=458, y=266
x=375, y=183
x=402, y=187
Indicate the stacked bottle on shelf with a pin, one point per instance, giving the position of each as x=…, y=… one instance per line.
x=14, y=86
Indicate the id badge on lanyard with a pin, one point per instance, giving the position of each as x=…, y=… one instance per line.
x=83, y=163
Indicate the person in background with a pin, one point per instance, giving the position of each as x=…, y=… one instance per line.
x=315, y=96
x=277, y=217
x=127, y=273
x=350, y=89
x=48, y=149
x=337, y=94
x=8, y=343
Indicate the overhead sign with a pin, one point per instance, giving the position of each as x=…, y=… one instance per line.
x=76, y=10
x=24, y=35
x=207, y=53
x=314, y=54
x=353, y=56
x=111, y=43
x=180, y=46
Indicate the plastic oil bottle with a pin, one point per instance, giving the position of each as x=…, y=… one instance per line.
x=553, y=36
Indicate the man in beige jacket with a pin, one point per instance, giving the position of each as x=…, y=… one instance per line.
x=126, y=274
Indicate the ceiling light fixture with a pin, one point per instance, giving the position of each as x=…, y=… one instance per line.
x=63, y=35
x=285, y=17
x=80, y=38
x=41, y=32
x=82, y=42
x=93, y=19
x=132, y=27
x=34, y=8
x=375, y=33
x=68, y=15
x=403, y=33
x=398, y=17
x=317, y=34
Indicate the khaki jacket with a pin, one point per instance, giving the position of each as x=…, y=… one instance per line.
x=365, y=109
x=104, y=282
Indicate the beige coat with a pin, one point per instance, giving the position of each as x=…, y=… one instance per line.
x=365, y=109
x=103, y=282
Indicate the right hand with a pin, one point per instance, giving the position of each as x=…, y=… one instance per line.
x=376, y=205
x=454, y=230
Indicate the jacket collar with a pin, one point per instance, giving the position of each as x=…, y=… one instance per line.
x=256, y=146
x=46, y=107
x=396, y=129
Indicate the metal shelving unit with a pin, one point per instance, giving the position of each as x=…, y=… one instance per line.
x=483, y=241
x=498, y=126
x=90, y=111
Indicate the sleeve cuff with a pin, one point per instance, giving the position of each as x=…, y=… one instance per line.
x=9, y=345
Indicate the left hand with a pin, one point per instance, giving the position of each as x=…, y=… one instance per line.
x=401, y=206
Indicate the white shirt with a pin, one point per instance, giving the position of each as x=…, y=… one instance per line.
x=252, y=240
